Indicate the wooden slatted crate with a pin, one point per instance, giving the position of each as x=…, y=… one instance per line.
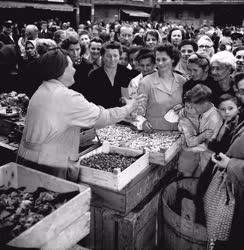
x=135, y=231
x=114, y=181
x=129, y=197
x=60, y=229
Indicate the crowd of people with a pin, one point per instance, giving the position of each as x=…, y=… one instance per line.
x=139, y=70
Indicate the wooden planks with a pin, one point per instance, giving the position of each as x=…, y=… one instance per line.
x=62, y=227
x=135, y=231
x=113, y=181
x=129, y=197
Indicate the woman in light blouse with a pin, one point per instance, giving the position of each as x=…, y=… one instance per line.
x=163, y=89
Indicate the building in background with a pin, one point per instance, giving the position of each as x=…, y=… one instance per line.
x=131, y=10
x=191, y=12
x=26, y=11
x=200, y=12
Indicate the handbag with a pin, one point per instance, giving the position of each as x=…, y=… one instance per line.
x=219, y=206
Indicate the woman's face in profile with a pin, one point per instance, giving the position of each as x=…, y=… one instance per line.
x=68, y=76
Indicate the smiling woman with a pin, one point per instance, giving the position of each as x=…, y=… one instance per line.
x=109, y=78
x=163, y=89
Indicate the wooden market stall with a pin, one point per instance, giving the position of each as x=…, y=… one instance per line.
x=124, y=204
x=126, y=217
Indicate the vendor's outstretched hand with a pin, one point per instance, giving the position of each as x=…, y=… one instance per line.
x=134, y=103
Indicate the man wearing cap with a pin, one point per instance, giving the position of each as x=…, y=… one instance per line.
x=6, y=36
x=236, y=38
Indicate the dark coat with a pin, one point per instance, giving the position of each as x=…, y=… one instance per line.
x=5, y=38
x=81, y=77
x=235, y=177
x=101, y=91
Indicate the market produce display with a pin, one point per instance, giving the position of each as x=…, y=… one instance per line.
x=108, y=161
x=158, y=141
x=11, y=103
x=19, y=210
x=125, y=137
x=116, y=135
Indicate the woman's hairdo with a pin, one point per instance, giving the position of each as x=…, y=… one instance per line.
x=189, y=42
x=170, y=50
x=111, y=45
x=224, y=57
x=52, y=64
x=200, y=60
x=171, y=31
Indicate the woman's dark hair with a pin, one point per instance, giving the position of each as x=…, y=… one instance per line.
x=73, y=40
x=170, y=50
x=138, y=41
x=153, y=33
x=201, y=60
x=198, y=94
x=96, y=40
x=52, y=64
x=229, y=97
x=145, y=53
x=111, y=45
x=189, y=42
x=68, y=41
x=57, y=36
x=237, y=49
x=182, y=34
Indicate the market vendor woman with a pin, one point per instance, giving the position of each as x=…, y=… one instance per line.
x=55, y=115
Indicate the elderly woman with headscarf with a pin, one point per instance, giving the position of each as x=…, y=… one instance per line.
x=55, y=115
x=223, y=64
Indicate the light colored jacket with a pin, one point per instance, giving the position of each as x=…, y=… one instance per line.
x=159, y=99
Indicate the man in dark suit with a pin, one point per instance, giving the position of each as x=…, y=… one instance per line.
x=6, y=36
x=45, y=33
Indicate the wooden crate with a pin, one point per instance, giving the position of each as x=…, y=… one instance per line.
x=129, y=197
x=62, y=228
x=114, y=181
x=163, y=157
x=135, y=231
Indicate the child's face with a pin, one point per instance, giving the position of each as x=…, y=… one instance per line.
x=228, y=110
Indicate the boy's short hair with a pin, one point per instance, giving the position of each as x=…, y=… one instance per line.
x=227, y=97
x=198, y=94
